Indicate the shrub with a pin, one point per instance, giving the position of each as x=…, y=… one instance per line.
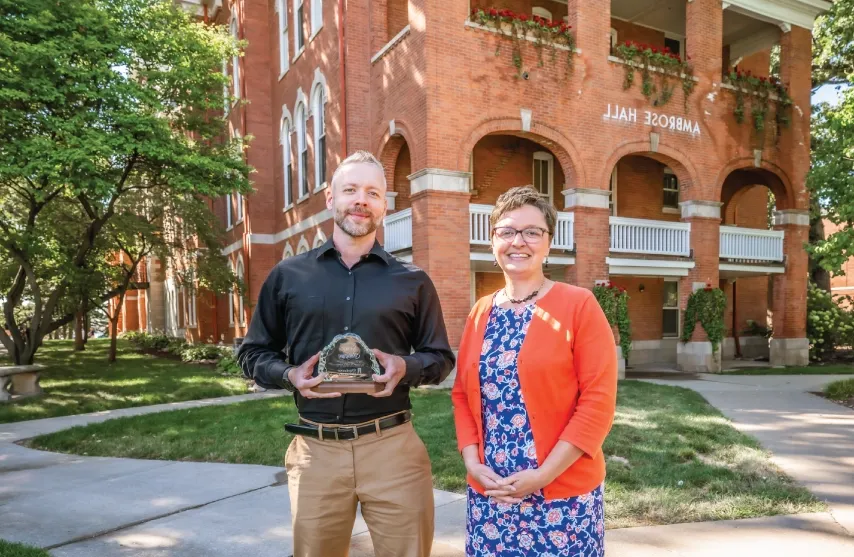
x=196, y=352
x=829, y=325
x=228, y=365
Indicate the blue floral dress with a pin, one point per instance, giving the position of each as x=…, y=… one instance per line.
x=572, y=527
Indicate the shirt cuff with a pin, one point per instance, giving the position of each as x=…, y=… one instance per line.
x=279, y=371
x=414, y=370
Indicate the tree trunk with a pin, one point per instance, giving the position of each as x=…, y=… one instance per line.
x=114, y=325
x=79, y=343
x=819, y=276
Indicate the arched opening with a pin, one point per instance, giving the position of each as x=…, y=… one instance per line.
x=752, y=253
x=396, y=234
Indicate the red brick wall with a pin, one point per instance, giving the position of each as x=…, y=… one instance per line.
x=487, y=283
x=639, y=189
x=630, y=32
x=402, y=170
x=398, y=16
x=645, y=308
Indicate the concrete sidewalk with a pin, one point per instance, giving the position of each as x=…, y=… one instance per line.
x=111, y=507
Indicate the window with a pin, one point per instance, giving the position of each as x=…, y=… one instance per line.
x=225, y=87
x=316, y=16
x=239, y=208
x=670, y=309
x=284, y=54
x=190, y=299
x=238, y=198
x=612, y=193
x=231, y=298
x=229, y=216
x=543, y=173
x=302, y=148
x=289, y=252
x=299, y=38
x=675, y=45
x=302, y=246
x=241, y=316
x=287, y=161
x=671, y=189
x=235, y=62
x=319, y=240
x=614, y=39
x=319, y=105
x=541, y=12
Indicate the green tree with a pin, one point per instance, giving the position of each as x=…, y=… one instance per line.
x=831, y=178
x=99, y=100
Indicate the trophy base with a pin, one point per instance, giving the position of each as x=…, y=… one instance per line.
x=349, y=387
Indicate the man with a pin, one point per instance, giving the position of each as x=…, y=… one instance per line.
x=354, y=447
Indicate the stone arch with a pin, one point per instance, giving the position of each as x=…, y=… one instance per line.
x=563, y=149
x=302, y=246
x=320, y=80
x=678, y=162
x=319, y=239
x=288, y=251
x=740, y=173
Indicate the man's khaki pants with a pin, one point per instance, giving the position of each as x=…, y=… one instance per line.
x=387, y=473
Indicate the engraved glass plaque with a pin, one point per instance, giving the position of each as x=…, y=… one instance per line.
x=349, y=366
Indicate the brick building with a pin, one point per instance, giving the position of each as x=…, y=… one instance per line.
x=660, y=198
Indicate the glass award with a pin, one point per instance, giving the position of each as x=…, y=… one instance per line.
x=349, y=366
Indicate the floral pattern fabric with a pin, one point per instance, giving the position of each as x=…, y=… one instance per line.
x=571, y=527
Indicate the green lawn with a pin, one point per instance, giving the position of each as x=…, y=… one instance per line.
x=81, y=382
x=840, y=390
x=668, y=435
x=8, y=549
x=833, y=369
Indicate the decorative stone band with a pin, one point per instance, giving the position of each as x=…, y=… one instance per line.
x=585, y=197
x=701, y=209
x=390, y=198
x=792, y=217
x=436, y=179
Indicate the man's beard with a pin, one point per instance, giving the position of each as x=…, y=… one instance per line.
x=350, y=227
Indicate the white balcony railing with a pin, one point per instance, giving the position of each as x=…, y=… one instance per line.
x=398, y=231
x=751, y=244
x=479, y=228
x=650, y=237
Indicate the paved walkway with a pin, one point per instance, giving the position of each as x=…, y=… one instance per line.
x=110, y=507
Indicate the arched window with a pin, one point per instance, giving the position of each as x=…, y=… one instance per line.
x=299, y=38
x=238, y=198
x=541, y=12
x=319, y=240
x=235, y=61
x=319, y=112
x=302, y=247
x=284, y=49
x=316, y=16
x=241, y=316
x=302, y=149
x=190, y=299
x=289, y=252
x=287, y=160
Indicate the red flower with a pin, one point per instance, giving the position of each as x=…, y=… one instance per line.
x=666, y=50
x=655, y=50
x=473, y=11
x=493, y=12
x=523, y=17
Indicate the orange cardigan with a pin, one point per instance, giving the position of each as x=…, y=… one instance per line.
x=568, y=376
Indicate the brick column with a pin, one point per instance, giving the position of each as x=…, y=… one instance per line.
x=704, y=21
x=789, y=345
x=592, y=235
x=795, y=72
x=705, y=218
x=591, y=24
x=440, y=240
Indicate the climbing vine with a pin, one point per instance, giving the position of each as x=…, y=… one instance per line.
x=669, y=68
x=518, y=26
x=707, y=306
x=614, y=302
x=762, y=93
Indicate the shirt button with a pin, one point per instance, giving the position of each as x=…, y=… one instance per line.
x=350, y=272
x=346, y=328
x=348, y=298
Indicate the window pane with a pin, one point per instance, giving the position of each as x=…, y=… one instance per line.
x=537, y=175
x=671, y=294
x=671, y=199
x=674, y=45
x=670, y=322
x=322, y=160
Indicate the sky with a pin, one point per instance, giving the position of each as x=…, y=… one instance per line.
x=828, y=93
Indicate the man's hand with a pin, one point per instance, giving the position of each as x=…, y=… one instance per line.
x=395, y=369
x=302, y=380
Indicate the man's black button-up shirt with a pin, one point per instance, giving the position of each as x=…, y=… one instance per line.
x=309, y=299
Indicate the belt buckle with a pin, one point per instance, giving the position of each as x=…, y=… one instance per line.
x=355, y=432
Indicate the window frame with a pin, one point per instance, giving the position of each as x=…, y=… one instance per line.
x=665, y=189
x=665, y=308
x=284, y=41
x=549, y=160
x=319, y=121
x=235, y=60
x=316, y=18
x=287, y=163
x=299, y=37
x=301, y=120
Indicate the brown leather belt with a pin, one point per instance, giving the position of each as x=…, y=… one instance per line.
x=348, y=432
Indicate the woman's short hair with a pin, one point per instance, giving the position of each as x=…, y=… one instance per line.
x=520, y=196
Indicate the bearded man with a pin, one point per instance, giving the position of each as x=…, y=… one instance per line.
x=353, y=448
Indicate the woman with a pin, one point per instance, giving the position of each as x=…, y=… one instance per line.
x=534, y=399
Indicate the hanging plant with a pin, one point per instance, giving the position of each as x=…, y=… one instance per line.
x=707, y=306
x=762, y=92
x=669, y=68
x=614, y=301
x=546, y=33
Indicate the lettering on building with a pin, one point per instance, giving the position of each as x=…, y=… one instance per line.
x=664, y=121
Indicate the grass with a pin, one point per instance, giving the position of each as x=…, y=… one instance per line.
x=840, y=390
x=665, y=435
x=8, y=549
x=834, y=369
x=82, y=382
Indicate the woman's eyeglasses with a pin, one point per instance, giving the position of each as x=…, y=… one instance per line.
x=530, y=235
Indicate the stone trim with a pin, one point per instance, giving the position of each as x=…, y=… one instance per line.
x=586, y=197
x=698, y=357
x=436, y=179
x=790, y=352
x=390, y=199
x=389, y=45
x=701, y=209
x=792, y=217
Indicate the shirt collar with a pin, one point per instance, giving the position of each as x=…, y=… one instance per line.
x=377, y=251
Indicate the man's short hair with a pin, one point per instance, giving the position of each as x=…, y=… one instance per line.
x=358, y=157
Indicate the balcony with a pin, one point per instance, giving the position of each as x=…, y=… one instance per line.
x=642, y=247
x=751, y=252
x=398, y=231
